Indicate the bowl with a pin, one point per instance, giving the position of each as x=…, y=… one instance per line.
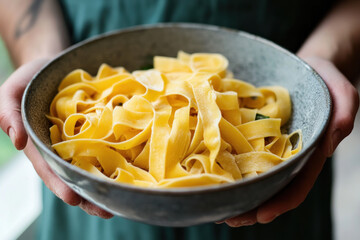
x=251, y=58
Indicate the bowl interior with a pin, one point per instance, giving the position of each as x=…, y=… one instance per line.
x=251, y=59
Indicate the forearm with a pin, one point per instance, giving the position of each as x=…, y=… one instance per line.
x=32, y=29
x=337, y=38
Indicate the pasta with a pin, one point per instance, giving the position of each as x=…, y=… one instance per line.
x=185, y=122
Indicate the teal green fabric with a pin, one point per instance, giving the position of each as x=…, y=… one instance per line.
x=286, y=22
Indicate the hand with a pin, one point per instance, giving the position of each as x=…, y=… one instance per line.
x=345, y=100
x=10, y=121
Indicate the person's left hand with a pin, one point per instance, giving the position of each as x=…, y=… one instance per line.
x=345, y=99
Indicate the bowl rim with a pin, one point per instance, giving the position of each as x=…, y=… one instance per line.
x=179, y=190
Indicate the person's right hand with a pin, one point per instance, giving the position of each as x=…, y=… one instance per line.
x=11, y=123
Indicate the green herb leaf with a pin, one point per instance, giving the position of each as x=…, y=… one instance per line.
x=260, y=116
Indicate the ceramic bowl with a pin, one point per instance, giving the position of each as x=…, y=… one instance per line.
x=251, y=58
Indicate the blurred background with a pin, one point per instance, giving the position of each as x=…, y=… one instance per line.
x=20, y=192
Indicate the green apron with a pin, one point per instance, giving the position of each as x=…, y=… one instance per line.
x=286, y=22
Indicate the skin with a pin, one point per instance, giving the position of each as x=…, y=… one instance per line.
x=332, y=50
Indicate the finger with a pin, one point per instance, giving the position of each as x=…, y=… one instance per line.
x=245, y=219
x=58, y=187
x=94, y=210
x=345, y=100
x=345, y=105
x=295, y=192
x=10, y=102
x=51, y=180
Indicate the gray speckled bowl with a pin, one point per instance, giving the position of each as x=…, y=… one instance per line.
x=251, y=58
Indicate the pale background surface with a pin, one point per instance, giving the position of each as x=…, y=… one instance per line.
x=20, y=194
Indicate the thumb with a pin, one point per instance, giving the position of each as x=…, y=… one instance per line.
x=10, y=102
x=345, y=99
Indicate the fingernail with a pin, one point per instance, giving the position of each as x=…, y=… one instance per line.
x=240, y=223
x=247, y=223
x=335, y=140
x=12, y=135
x=268, y=218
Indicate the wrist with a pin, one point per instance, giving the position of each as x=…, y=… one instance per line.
x=39, y=49
x=33, y=55
x=337, y=39
x=344, y=56
x=320, y=46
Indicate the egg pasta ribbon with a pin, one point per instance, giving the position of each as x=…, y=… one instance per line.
x=185, y=122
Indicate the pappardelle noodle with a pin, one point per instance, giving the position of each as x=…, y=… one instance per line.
x=185, y=122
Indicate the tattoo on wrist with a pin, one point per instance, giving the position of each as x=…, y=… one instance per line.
x=28, y=19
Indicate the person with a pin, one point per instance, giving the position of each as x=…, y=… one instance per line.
x=326, y=34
